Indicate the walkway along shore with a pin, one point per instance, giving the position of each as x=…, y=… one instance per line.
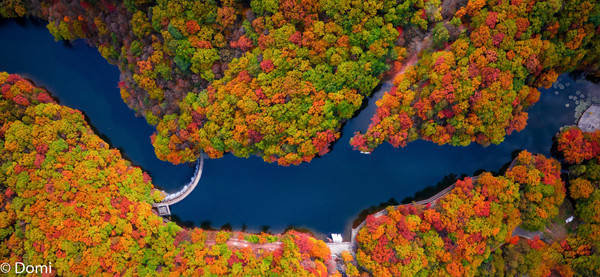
x=431, y=200
x=170, y=199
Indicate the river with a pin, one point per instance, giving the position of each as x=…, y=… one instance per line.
x=323, y=195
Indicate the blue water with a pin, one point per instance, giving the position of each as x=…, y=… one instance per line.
x=324, y=195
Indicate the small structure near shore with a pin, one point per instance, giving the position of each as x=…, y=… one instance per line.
x=590, y=119
x=163, y=210
x=568, y=220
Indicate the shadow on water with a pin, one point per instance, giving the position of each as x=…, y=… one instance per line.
x=183, y=223
x=23, y=22
x=371, y=210
x=430, y=191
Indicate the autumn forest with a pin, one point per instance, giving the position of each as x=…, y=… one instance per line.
x=278, y=80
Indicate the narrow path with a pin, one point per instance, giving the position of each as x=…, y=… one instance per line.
x=530, y=235
x=412, y=59
x=237, y=243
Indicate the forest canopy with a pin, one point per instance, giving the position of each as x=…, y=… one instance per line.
x=67, y=198
x=574, y=250
x=455, y=234
x=278, y=79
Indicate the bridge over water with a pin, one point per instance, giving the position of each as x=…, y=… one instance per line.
x=172, y=198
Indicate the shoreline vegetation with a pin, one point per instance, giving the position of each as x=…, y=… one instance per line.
x=525, y=177
x=278, y=79
x=103, y=136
